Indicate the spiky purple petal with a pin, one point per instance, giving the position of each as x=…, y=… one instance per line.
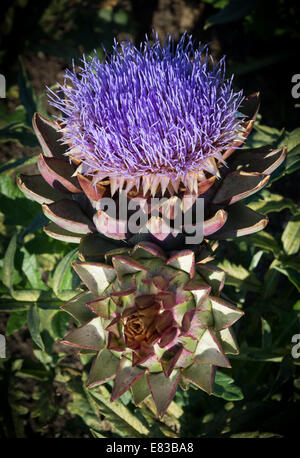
x=159, y=109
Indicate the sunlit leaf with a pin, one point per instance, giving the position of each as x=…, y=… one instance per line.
x=33, y=320
x=291, y=235
x=225, y=388
x=123, y=420
x=15, y=321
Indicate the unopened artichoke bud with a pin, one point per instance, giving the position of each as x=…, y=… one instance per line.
x=155, y=321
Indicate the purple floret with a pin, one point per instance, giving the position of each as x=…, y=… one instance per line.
x=159, y=109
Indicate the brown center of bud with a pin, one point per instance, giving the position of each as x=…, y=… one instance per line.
x=139, y=327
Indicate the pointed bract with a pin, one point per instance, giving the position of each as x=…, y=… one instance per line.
x=96, y=276
x=224, y=314
x=126, y=376
x=77, y=308
x=69, y=215
x=239, y=185
x=241, y=221
x=163, y=389
x=90, y=335
x=58, y=233
x=184, y=260
x=228, y=341
x=48, y=136
x=104, y=368
x=140, y=390
x=201, y=375
x=209, y=351
x=37, y=189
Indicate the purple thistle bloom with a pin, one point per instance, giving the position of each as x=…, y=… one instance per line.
x=158, y=110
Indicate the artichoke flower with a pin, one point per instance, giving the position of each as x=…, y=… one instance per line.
x=156, y=128
x=155, y=321
x=159, y=121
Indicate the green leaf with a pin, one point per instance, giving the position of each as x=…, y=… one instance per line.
x=225, y=388
x=285, y=372
x=270, y=281
x=293, y=141
x=33, y=320
x=8, y=262
x=83, y=405
x=19, y=133
x=175, y=410
x=14, y=164
x=36, y=223
x=26, y=92
x=297, y=306
x=254, y=434
x=30, y=269
x=293, y=275
x=17, y=116
x=9, y=189
x=96, y=434
x=40, y=107
x=147, y=413
x=291, y=235
x=38, y=374
x=268, y=202
x=263, y=135
x=293, y=156
x=292, y=262
x=265, y=241
x=44, y=410
x=63, y=274
x=238, y=276
x=15, y=321
x=8, y=274
x=257, y=354
x=255, y=260
x=266, y=335
x=293, y=162
x=31, y=295
x=124, y=422
x=16, y=208
x=236, y=9
x=59, y=324
x=217, y=3
x=9, y=305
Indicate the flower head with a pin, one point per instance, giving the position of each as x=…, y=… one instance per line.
x=159, y=113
